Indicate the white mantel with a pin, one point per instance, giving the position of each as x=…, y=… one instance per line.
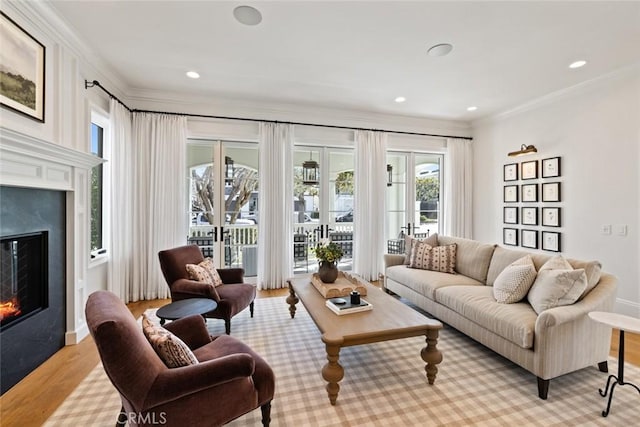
x=34, y=163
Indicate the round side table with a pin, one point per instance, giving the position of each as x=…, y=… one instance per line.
x=622, y=323
x=184, y=308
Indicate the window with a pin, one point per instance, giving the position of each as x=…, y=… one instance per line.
x=99, y=128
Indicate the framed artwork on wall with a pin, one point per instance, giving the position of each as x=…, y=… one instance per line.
x=551, y=241
x=551, y=167
x=510, y=215
x=530, y=239
x=510, y=172
x=529, y=169
x=510, y=194
x=550, y=191
x=551, y=217
x=529, y=192
x=529, y=216
x=22, y=70
x=510, y=236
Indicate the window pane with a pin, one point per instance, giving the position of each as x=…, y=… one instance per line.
x=97, y=146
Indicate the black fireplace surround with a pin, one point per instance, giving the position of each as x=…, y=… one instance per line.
x=33, y=262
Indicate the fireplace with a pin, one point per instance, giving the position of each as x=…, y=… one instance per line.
x=23, y=277
x=32, y=279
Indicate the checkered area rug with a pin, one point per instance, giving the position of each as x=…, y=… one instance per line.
x=385, y=383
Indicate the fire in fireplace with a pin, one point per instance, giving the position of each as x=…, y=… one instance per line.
x=23, y=277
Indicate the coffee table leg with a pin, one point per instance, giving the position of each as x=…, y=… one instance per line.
x=431, y=355
x=332, y=372
x=292, y=300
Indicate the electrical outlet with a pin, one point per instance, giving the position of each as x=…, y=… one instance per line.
x=621, y=230
x=605, y=230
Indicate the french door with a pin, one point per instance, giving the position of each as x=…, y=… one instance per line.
x=223, y=202
x=413, y=197
x=322, y=210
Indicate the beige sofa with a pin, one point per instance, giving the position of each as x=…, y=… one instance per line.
x=553, y=343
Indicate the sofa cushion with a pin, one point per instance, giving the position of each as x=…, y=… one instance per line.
x=513, y=284
x=513, y=322
x=410, y=241
x=425, y=282
x=593, y=270
x=472, y=257
x=171, y=349
x=438, y=258
x=557, y=284
x=502, y=257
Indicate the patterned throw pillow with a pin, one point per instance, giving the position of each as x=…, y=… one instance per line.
x=439, y=258
x=409, y=242
x=171, y=349
x=557, y=284
x=204, y=272
x=514, y=282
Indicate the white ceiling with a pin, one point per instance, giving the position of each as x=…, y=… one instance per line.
x=362, y=54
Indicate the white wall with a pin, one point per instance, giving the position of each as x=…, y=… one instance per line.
x=595, y=129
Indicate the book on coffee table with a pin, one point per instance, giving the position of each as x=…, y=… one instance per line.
x=342, y=306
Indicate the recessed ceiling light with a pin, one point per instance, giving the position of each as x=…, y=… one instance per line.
x=472, y=108
x=441, y=49
x=193, y=75
x=247, y=15
x=400, y=99
x=578, y=64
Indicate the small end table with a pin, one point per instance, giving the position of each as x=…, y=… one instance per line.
x=185, y=307
x=622, y=323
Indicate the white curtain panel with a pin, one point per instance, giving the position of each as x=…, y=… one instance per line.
x=275, y=241
x=457, y=200
x=160, y=217
x=149, y=183
x=369, y=213
x=121, y=196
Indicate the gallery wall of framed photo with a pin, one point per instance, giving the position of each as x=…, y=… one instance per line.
x=532, y=214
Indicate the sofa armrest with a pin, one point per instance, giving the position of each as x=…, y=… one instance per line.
x=185, y=288
x=176, y=383
x=566, y=339
x=393, y=259
x=601, y=298
x=191, y=329
x=231, y=275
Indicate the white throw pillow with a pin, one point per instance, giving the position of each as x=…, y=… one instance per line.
x=514, y=282
x=557, y=285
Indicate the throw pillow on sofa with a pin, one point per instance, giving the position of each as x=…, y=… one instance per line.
x=514, y=282
x=438, y=258
x=171, y=349
x=410, y=241
x=557, y=284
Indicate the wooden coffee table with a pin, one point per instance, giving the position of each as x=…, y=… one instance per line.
x=389, y=320
x=185, y=307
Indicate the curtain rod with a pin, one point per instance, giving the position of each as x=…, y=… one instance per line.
x=88, y=84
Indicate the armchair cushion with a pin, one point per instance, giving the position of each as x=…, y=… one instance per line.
x=204, y=272
x=171, y=349
x=192, y=330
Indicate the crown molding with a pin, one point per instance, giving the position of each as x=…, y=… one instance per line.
x=632, y=70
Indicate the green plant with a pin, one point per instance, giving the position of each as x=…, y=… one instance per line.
x=328, y=252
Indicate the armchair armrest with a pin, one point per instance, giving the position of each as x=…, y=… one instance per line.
x=231, y=275
x=191, y=329
x=173, y=384
x=185, y=288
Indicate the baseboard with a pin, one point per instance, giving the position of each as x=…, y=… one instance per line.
x=627, y=307
x=74, y=337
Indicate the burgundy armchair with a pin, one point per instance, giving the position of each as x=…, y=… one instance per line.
x=230, y=379
x=232, y=296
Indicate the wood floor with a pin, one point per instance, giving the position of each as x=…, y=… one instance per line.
x=34, y=399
